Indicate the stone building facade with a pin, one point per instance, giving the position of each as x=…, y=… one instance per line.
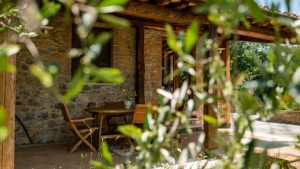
x=37, y=107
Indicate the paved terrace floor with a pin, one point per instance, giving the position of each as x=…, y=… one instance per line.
x=276, y=137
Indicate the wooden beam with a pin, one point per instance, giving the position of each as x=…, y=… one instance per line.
x=226, y=59
x=259, y=33
x=162, y=2
x=209, y=129
x=8, y=100
x=180, y=5
x=156, y=13
x=161, y=13
x=140, y=82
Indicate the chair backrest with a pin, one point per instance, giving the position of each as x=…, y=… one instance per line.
x=65, y=112
x=140, y=113
x=119, y=104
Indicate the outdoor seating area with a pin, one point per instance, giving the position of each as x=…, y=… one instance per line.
x=98, y=114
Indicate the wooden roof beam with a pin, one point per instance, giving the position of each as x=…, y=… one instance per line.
x=181, y=5
x=259, y=33
x=162, y=2
x=162, y=14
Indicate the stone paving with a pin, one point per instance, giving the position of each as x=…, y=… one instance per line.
x=278, y=138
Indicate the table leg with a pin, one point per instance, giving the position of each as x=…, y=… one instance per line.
x=96, y=134
x=100, y=128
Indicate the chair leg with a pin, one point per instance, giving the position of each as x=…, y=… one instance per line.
x=131, y=146
x=127, y=139
x=124, y=142
x=83, y=139
x=70, y=143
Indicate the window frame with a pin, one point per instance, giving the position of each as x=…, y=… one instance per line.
x=78, y=45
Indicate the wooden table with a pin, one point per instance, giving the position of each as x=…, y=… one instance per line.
x=101, y=112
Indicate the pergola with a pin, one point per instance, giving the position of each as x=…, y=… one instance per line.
x=150, y=14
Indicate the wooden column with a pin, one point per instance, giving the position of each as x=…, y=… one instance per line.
x=226, y=58
x=209, y=129
x=140, y=72
x=7, y=100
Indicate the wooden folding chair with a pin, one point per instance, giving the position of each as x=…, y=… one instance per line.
x=113, y=126
x=138, y=119
x=80, y=133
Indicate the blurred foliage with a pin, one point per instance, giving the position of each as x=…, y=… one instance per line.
x=273, y=78
x=252, y=58
x=3, y=123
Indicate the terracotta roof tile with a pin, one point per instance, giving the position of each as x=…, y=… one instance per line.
x=292, y=15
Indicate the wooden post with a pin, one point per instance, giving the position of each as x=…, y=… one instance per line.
x=140, y=65
x=226, y=58
x=7, y=100
x=209, y=129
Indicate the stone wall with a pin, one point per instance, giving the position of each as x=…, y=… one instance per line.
x=153, y=64
x=37, y=107
x=286, y=116
x=199, y=79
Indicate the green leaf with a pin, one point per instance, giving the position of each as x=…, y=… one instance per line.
x=9, y=50
x=106, y=75
x=3, y=128
x=110, y=9
x=44, y=77
x=106, y=154
x=288, y=2
x=271, y=57
x=210, y=120
x=112, y=2
x=5, y=66
x=202, y=49
x=3, y=133
x=172, y=42
x=76, y=85
x=147, y=119
x=114, y=20
x=264, y=158
x=251, y=157
x=102, y=38
x=50, y=9
x=2, y=115
x=98, y=164
x=256, y=12
x=191, y=37
x=130, y=130
x=2, y=29
x=239, y=79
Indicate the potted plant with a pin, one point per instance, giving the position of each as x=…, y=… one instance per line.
x=128, y=97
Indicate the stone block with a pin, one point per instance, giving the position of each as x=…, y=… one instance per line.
x=28, y=116
x=52, y=124
x=32, y=81
x=42, y=116
x=33, y=102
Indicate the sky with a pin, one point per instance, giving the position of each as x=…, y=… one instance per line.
x=295, y=5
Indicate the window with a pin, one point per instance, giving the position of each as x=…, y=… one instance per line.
x=169, y=58
x=105, y=57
